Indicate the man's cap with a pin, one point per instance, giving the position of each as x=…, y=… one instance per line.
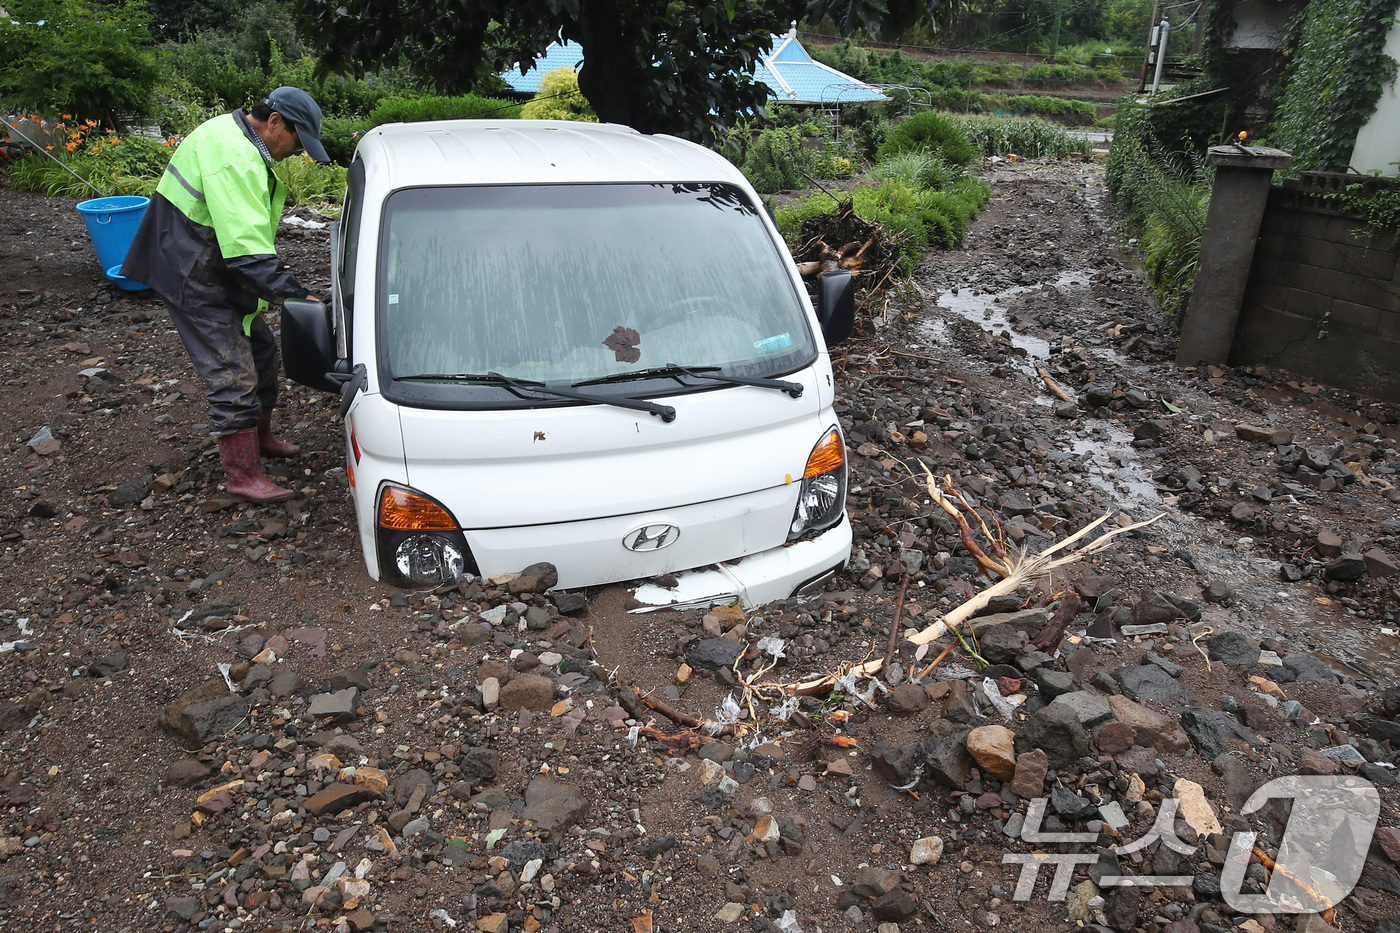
x=297, y=108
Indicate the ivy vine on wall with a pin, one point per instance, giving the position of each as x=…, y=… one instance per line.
x=1338, y=72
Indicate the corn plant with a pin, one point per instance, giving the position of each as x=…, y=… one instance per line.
x=1028, y=138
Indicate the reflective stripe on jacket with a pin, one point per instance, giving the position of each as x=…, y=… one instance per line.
x=208, y=237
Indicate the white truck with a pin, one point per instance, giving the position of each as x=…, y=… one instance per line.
x=575, y=343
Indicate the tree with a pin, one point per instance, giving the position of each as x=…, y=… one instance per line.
x=683, y=67
x=88, y=59
x=559, y=99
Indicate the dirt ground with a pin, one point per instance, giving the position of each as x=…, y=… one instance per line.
x=128, y=578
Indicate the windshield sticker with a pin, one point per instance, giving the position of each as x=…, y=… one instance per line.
x=393, y=299
x=773, y=344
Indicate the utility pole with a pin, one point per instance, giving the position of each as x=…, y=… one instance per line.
x=1055, y=29
x=1151, y=44
x=1201, y=13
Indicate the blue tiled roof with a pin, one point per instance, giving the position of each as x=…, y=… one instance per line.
x=790, y=73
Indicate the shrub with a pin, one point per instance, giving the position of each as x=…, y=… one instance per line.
x=1029, y=138
x=93, y=60
x=791, y=218
x=559, y=99
x=929, y=131
x=1166, y=203
x=310, y=183
x=777, y=159
x=463, y=107
x=113, y=164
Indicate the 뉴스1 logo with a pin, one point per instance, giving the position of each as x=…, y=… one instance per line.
x=1319, y=859
x=651, y=537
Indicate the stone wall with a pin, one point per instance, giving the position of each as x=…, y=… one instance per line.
x=1323, y=297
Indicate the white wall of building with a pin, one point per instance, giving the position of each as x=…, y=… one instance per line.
x=1378, y=143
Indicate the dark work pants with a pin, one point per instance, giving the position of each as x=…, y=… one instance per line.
x=240, y=372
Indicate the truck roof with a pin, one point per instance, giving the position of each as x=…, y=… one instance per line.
x=503, y=152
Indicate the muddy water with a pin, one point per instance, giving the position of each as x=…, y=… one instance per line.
x=1301, y=614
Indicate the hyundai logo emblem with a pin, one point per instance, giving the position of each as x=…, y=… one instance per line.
x=651, y=537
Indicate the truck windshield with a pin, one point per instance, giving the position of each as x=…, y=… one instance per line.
x=563, y=284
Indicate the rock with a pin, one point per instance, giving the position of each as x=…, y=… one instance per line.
x=897, y=905
x=339, y=707
x=1219, y=591
x=553, y=806
x=1193, y=807
x=527, y=691
x=108, y=665
x=1203, y=733
x=1249, y=432
x=1163, y=608
x=1242, y=512
x=993, y=748
x=1150, y=728
x=1150, y=684
x=1029, y=779
x=1091, y=709
x=1115, y=737
x=1379, y=563
x=926, y=851
x=1122, y=907
x=187, y=771
x=1233, y=649
x=1077, y=908
x=1328, y=544
x=1000, y=644
x=908, y=699
x=713, y=653
x=1052, y=683
x=1171, y=667
x=1346, y=568
x=1057, y=731
x=958, y=707
x=1307, y=669
x=1070, y=805
x=337, y=797
x=895, y=765
x=1388, y=837
x=201, y=723
x=946, y=760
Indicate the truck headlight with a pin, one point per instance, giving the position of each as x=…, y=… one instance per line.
x=419, y=542
x=821, y=500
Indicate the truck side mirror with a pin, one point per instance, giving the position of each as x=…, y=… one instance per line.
x=308, y=345
x=836, y=305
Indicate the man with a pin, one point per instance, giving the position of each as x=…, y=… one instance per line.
x=206, y=245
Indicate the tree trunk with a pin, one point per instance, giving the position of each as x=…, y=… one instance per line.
x=604, y=78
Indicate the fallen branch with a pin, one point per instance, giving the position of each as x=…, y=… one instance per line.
x=1054, y=386
x=894, y=623
x=1025, y=567
x=675, y=715
x=1050, y=636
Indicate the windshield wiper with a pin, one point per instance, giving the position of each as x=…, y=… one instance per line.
x=520, y=386
x=673, y=371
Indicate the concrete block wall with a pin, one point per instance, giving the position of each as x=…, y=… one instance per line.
x=1323, y=298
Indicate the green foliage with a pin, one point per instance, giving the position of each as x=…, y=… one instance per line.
x=205, y=73
x=340, y=135
x=1164, y=199
x=931, y=132
x=74, y=56
x=778, y=159
x=310, y=183
x=1026, y=137
x=791, y=218
x=684, y=68
x=559, y=99
x=902, y=200
x=1060, y=75
x=461, y=107
x=112, y=164
x=1338, y=72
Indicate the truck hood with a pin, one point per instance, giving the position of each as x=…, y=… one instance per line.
x=496, y=469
